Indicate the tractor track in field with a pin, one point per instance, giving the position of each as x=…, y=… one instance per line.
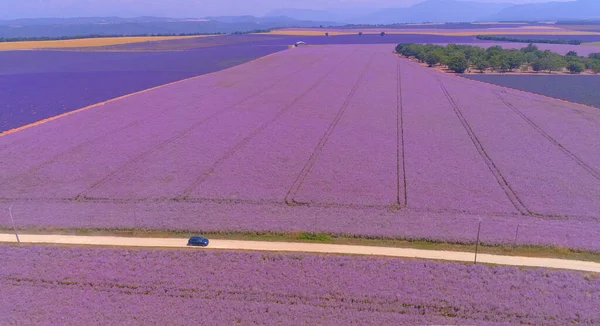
x=551, y=139
x=400, y=148
x=232, y=150
x=510, y=193
x=79, y=146
x=180, y=135
x=289, y=197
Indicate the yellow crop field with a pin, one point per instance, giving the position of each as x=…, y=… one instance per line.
x=592, y=43
x=87, y=42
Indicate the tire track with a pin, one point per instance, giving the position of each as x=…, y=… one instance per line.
x=78, y=147
x=199, y=180
x=400, y=153
x=567, y=152
x=184, y=133
x=510, y=193
x=315, y=154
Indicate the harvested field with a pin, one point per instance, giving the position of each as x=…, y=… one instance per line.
x=579, y=89
x=168, y=286
x=85, y=42
x=346, y=139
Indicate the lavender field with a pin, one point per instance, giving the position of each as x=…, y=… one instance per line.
x=343, y=139
x=35, y=85
x=579, y=89
x=118, y=286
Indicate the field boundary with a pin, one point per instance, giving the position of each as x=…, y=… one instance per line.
x=318, y=248
x=181, y=134
x=587, y=106
x=85, y=108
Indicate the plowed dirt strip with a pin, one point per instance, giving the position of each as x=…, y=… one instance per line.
x=547, y=181
x=574, y=134
x=191, y=157
x=358, y=163
x=91, y=161
x=443, y=168
x=268, y=165
x=41, y=143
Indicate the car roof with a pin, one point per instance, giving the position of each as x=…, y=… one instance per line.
x=197, y=238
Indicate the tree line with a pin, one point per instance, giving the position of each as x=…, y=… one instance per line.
x=77, y=37
x=529, y=40
x=460, y=58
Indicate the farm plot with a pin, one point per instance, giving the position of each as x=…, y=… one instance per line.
x=579, y=88
x=117, y=286
x=536, y=173
x=39, y=84
x=443, y=168
x=345, y=139
x=359, y=158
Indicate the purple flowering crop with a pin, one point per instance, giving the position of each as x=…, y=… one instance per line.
x=76, y=286
x=345, y=139
x=35, y=85
x=580, y=88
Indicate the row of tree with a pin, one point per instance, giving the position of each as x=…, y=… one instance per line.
x=76, y=37
x=529, y=40
x=460, y=58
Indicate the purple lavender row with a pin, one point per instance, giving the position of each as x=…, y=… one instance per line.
x=113, y=149
x=443, y=168
x=266, y=168
x=539, y=172
x=54, y=285
x=360, y=163
x=107, y=119
x=39, y=84
x=193, y=157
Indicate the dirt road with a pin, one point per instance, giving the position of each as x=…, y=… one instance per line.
x=306, y=247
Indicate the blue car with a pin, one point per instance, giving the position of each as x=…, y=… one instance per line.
x=198, y=241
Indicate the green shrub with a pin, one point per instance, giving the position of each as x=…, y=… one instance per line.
x=576, y=67
x=319, y=237
x=458, y=63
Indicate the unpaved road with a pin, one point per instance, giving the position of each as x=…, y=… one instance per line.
x=306, y=247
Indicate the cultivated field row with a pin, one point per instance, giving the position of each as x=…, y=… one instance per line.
x=346, y=139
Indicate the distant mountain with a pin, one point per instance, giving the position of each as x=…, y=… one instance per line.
x=57, y=27
x=451, y=11
x=581, y=9
x=340, y=15
x=435, y=11
x=305, y=14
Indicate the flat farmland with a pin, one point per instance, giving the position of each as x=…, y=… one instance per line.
x=134, y=286
x=342, y=139
x=84, y=42
x=579, y=88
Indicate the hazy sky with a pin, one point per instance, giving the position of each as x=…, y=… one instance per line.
x=183, y=8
